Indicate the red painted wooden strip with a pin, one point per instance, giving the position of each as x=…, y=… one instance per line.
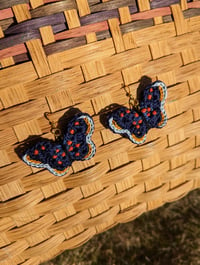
x=163, y=11
x=81, y=31
x=12, y=51
x=194, y=4
x=6, y=13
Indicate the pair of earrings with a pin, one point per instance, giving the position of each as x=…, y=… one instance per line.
x=76, y=143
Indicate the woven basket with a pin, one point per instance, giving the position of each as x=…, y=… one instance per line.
x=55, y=55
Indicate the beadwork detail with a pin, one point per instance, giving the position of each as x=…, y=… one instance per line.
x=135, y=123
x=58, y=156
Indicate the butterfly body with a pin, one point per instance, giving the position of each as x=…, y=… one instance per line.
x=76, y=145
x=135, y=123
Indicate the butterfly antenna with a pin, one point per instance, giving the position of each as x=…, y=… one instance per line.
x=54, y=129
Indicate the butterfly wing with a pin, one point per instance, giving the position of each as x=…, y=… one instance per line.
x=50, y=155
x=152, y=103
x=77, y=138
x=129, y=123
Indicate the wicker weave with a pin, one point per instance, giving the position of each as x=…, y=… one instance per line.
x=55, y=55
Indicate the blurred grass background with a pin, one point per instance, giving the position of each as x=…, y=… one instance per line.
x=169, y=235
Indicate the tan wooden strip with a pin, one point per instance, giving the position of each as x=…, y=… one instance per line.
x=95, y=51
x=158, y=20
x=23, y=73
x=129, y=40
x=101, y=102
x=91, y=37
x=22, y=113
x=54, y=83
x=181, y=24
x=125, y=16
x=38, y=56
x=1, y=33
x=143, y=5
x=59, y=100
x=184, y=4
x=116, y=35
x=4, y=158
x=36, y=3
x=7, y=138
x=159, y=49
x=157, y=32
x=47, y=35
x=7, y=62
x=92, y=70
x=21, y=12
x=13, y=95
x=132, y=74
x=11, y=190
x=24, y=130
x=83, y=7
x=55, y=63
x=72, y=18
x=96, y=87
x=189, y=55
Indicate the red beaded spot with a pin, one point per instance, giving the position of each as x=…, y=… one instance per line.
x=36, y=152
x=70, y=149
x=154, y=112
x=148, y=114
x=151, y=89
x=57, y=150
x=122, y=115
x=140, y=121
x=69, y=142
x=143, y=110
x=43, y=147
x=137, y=126
x=60, y=162
x=134, y=123
x=54, y=157
x=76, y=123
x=77, y=154
x=149, y=109
x=72, y=131
x=63, y=154
x=77, y=145
x=136, y=115
x=149, y=97
x=128, y=111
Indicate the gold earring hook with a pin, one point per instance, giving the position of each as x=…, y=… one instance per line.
x=54, y=129
x=133, y=102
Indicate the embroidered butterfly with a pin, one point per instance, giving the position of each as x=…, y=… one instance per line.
x=135, y=123
x=57, y=157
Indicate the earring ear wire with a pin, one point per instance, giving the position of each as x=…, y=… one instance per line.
x=133, y=102
x=54, y=129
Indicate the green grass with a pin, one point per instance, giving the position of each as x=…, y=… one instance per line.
x=169, y=235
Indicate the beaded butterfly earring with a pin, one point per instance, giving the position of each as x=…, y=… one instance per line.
x=74, y=145
x=146, y=113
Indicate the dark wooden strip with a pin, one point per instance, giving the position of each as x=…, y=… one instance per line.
x=32, y=24
x=136, y=25
x=10, y=3
x=21, y=58
x=64, y=45
x=98, y=17
x=53, y=8
x=18, y=39
x=97, y=7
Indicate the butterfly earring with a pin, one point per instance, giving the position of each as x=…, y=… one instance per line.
x=74, y=145
x=149, y=112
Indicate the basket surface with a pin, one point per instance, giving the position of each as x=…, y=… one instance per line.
x=55, y=55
